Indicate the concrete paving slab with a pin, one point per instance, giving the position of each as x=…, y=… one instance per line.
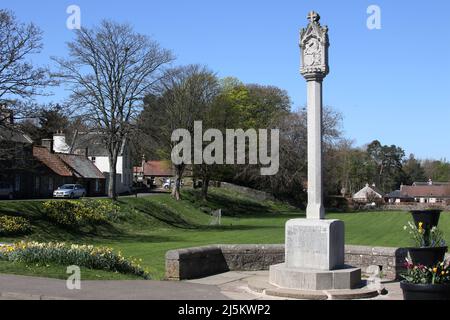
x=221, y=279
x=26, y=288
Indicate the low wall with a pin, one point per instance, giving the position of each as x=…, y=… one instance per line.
x=201, y=262
x=413, y=206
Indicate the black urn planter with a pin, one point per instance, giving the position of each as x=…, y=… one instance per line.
x=429, y=218
x=425, y=291
x=428, y=257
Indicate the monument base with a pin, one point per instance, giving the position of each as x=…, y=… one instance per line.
x=302, y=279
x=315, y=258
x=315, y=244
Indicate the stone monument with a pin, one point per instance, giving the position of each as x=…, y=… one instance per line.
x=315, y=247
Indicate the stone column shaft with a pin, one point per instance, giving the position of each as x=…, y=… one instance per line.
x=315, y=209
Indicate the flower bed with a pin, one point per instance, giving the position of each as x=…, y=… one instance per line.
x=97, y=258
x=12, y=226
x=75, y=213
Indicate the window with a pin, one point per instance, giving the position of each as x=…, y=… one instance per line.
x=93, y=159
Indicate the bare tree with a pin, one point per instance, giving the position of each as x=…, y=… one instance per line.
x=110, y=71
x=19, y=79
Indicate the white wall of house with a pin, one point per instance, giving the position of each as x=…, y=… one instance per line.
x=124, y=169
x=124, y=177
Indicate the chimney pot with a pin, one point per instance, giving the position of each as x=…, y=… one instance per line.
x=48, y=144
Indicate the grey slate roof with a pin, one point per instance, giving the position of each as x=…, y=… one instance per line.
x=81, y=166
x=397, y=194
x=14, y=135
x=93, y=142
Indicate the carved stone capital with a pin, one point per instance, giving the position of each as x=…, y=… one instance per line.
x=314, y=76
x=314, y=46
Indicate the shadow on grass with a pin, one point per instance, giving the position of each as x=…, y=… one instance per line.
x=164, y=214
x=231, y=206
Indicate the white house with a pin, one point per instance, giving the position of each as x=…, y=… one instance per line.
x=368, y=194
x=92, y=146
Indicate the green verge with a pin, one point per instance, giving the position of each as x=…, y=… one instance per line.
x=59, y=272
x=151, y=226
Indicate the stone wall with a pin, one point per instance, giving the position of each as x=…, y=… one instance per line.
x=205, y=261
x=390, y=260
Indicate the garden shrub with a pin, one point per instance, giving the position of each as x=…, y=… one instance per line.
x=11, y=226
x=97, y=258
x=73, y=213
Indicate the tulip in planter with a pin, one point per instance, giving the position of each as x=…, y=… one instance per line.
x=428, y=276
x=430, y=246
x=426, y=283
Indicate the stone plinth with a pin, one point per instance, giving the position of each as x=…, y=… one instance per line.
x=315, y=257
x=315, y=244
x=303, y=279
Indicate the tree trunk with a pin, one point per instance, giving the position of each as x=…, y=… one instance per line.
x=176, y=191
x=205, y=188
x=112, y=185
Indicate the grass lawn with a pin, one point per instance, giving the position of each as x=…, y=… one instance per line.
x=153, y=225
x=59, y=272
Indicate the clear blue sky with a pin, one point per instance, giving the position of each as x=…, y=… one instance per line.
x=391, y=84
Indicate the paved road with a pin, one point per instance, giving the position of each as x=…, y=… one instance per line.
x=227, y=286
x=30, y=288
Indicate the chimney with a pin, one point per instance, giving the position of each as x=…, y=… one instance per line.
x=48, y=144
x=6, y=115
x=60, y=145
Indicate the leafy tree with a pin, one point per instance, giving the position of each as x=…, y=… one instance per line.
x=437, y=170
x=413, y=171
x=49, y=120
x=186, y=95
x=388, y=160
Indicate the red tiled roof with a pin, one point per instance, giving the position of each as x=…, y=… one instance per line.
x=67, y=165
x=52, y=161
x=432, y=191
x=158, y=169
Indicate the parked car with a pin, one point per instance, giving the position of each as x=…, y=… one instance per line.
x=6, y=190
x=70, y=191
x=167, y=184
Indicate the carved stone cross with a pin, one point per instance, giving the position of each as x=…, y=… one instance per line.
x=313, y=17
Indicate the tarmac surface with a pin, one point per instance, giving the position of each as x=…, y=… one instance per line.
x=227, y=286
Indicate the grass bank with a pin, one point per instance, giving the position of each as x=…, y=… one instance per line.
x=150, y=226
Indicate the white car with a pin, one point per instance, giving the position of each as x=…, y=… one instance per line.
x=70, y=191
x=167, y=184
x=6, y=191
